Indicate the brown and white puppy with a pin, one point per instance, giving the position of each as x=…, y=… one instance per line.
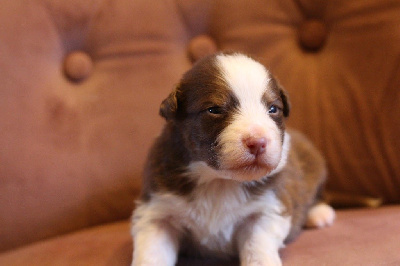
x=225, y=178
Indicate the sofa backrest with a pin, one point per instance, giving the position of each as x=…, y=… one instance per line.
x=81, y=83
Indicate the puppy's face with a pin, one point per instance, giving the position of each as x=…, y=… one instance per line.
x=230, y=113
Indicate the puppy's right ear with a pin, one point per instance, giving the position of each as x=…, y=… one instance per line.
x=169, y=106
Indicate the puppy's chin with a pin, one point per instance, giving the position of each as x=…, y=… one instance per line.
x=204, y=173
x=248, y=173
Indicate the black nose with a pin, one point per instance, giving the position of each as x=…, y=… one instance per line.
x=256, y=146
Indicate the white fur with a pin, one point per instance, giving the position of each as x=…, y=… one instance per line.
x=248, y=80
x=259, y=243
x=154, y=243
x=246, y=77
x=320, y=215
x=284, y=155
x=217, y=211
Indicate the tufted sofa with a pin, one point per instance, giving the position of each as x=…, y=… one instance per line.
x=80, y=87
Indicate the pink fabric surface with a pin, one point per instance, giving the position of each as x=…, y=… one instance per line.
x=358, y=237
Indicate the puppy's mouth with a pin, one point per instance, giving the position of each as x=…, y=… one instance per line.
x=249, y=171
x=250, y=167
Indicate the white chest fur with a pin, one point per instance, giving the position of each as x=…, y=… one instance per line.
x=215, y=211
x=213, y=214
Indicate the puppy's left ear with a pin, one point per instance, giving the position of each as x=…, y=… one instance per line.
x=169, y=106
x=285, y=101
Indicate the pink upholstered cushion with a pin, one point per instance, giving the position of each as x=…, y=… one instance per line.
x=359, y=237
x=72, y=144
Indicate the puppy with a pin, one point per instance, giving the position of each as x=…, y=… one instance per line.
x=225, y=178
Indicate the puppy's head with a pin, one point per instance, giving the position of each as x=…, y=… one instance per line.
x=230, y=114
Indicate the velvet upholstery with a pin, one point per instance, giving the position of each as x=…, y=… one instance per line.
x=359, y=237
x=81, y=83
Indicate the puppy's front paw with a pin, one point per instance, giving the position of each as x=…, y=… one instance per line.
x=270, y=259
x=153, y=261
x=142, y=263
x=320, y=215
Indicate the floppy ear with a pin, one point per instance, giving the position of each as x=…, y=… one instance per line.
x=285, y=101
x=169, y=106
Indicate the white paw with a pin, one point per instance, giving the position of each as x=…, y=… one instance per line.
x=151, y=262
x=270, y=260
x=320, y=215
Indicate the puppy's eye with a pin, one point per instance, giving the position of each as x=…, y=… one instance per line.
x=216, y=110
x=273, y=109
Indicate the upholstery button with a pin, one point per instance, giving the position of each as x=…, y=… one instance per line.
x=78, y=65
x=201, y=46
x=312, y=34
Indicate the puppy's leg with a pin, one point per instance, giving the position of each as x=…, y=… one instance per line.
x=155, y=244
x=259, y=240
x=320, y=215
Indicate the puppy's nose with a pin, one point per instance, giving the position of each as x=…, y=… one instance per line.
x=255, y=145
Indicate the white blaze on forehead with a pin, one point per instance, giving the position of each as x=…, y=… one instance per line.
x=249, y=81
x=247, y=78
